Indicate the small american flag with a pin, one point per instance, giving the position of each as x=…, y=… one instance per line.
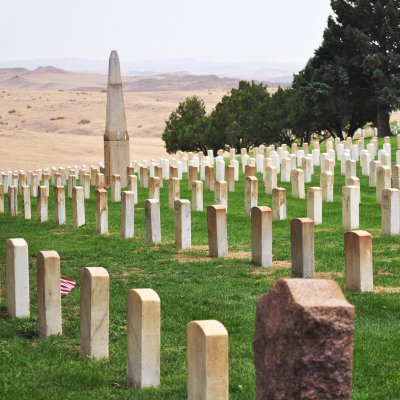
x=66, y=285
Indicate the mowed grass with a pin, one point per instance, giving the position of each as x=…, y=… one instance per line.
x=191, y=286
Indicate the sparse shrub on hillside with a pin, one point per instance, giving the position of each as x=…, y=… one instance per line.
x=12, y=111
x=185, y=128
x=84, y=121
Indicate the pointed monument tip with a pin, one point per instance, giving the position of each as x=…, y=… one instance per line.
x=114, y=72
x=114, y=54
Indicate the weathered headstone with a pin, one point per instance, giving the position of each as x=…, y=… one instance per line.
x=174, y=191
x=197, y=196
x=17, y=277
x=209, y=181
x=143, y=338
x=278, y=204
x=132, y=186
x=250, y=194
x=144, y=177
x=153, y=220
x=383, y=181
x=302, y=241
x=271, y=179
x=13, y=200
x=350, y=207
x=154, y=188
x=221, y=193
x=261, y=236
x=59, y=205
x=217, y=231
x=26, y=201
x=327, y=184
x=42, y=204
x=183, y=227
x=230, y=177
x=358, y=256
x=101, y=212
x=297, y=182
x=314, y=204
x=95, y=284
x=127, y=214
x=115, y=188
x=78, y=206
x=207, y=359
x=49, y=296
x=310, y=320
x=390, y=211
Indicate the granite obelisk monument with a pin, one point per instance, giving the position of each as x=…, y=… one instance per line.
x=116, y=139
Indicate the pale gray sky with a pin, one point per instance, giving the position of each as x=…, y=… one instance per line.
x=215, y=30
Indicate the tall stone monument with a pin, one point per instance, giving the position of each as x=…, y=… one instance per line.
x=116, y=139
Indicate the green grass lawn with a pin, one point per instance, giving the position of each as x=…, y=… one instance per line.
x=191, y=286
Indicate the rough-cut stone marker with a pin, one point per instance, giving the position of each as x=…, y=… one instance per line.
x=297, y=181
x=17, y=277
x=78, y=206
x=217, y=231
x=250, y=194
x=49, y=298
x=373, y=166
x=390, y=211
x=350, y=207
x=230, y=177
x=174, y=191
x=42, y=204
x=153, y=220
x=116, y=139
x=115, y=188
x=95, y=284
x=383, y=181
x=127, y=214
x=221, y=193
x=183, y=225
x=26, y=201
x=143, y=338
x=101, y=212
x=270, y=179
x=302, y=240
x=197, y=196
x=209, y=181
x=154, y=188
x=100, y=181
x=261, y=236
x=311, y=321
x=13, y=200
x=1, y=198
x=59, y=205
x=278, y=204
x=207, y=361
x=314, y=205
x=358, y=256
x=132, y=186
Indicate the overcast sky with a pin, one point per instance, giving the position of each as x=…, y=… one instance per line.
x=214, y=30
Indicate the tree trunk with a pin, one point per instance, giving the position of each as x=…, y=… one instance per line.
x=383, y=121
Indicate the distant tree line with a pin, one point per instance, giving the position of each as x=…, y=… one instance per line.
x=352, y=79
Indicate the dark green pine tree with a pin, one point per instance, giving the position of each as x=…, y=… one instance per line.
x=368, y=47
